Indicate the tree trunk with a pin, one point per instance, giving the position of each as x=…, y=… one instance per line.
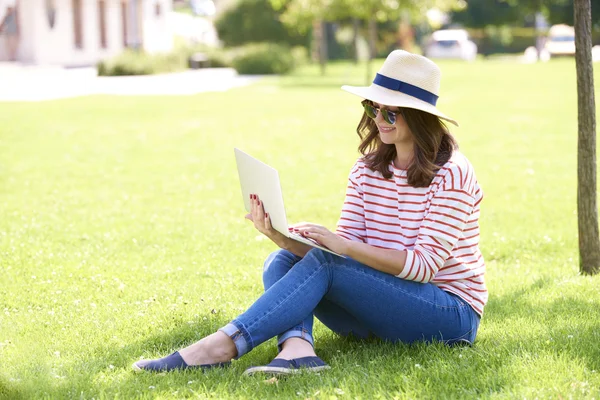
x=319, y=44
x=355, y=28
x=323, y=47
x=372, y=34
x=587, y=208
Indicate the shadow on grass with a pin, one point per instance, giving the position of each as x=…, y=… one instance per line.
x=9, y=391
x=569, y=322
x=395, y=369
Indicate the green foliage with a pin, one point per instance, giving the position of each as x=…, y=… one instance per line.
x=505, y=39
x=252, y=21
x=132, y=62
x=300, y=14
x=217, y=57
x=480, y=13
x=263, y=58
x=123, y=236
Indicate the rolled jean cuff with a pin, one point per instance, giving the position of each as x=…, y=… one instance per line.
x=299, y=333
x=238, y=336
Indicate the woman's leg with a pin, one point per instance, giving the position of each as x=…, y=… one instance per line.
x=12, y=45
x=391, y=308
x=277, y=265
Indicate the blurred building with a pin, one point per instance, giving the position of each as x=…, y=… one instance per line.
x=82, y=32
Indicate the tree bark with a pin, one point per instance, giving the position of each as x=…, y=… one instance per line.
x=372, y=34
x=319, y=42
x=355, y=28
x=323, y=47
x=587, y=207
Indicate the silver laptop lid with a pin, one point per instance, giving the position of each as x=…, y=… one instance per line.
x=258, y=178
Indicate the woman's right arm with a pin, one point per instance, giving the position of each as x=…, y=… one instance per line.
x=262, y=222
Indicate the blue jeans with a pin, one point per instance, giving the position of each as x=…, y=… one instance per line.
x=349, y=298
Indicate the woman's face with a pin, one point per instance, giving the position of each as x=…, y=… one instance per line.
x=398, y=133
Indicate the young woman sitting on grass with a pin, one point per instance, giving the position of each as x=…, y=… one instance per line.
x=408, y=228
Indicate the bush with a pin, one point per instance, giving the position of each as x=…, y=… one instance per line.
x=132, y=62
x=263, y=58
x=217, y=58
x=254, y=21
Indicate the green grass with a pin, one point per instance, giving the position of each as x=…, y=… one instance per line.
x=122, y=235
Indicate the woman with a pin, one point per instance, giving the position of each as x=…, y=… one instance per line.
x=408, y=228
x=9, y=27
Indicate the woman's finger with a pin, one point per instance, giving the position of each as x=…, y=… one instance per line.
x=260, y=211
x=268, y=226
x=254, y=203
x=317, y=237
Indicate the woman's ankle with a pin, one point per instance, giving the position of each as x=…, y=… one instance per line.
x=296, y=347
x=220, y=346
x=215, y=348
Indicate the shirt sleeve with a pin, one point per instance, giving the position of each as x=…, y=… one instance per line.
x=351, y=224
x=443, y=225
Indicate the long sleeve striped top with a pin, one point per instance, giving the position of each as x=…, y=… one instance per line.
x=438, y=226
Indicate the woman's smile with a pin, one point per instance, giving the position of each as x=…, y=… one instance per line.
x=386, y=129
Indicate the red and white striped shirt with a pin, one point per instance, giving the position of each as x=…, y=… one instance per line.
x=438, y=226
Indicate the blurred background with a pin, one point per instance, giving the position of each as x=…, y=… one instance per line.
x=137, y=37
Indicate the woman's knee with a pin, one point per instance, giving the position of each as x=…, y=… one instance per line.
x=321, y=256
x=279, y=262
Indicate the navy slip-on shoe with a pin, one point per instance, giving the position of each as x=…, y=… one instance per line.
x=170, y=363
x=279, y=366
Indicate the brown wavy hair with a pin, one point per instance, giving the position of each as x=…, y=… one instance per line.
x=433, y=146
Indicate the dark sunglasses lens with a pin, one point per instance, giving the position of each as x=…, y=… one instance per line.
x=369, y=110
x=389, y=117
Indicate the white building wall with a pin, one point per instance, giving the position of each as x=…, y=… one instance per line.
x=157, y=33
x=40, y=44
x=57, y=46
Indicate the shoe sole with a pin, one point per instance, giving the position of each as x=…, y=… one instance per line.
x=284, y=371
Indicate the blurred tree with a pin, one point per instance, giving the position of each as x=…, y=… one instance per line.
x=587, y=206
x=481, y=13
x=562, y=12
x=303, y=13
x=256, y=21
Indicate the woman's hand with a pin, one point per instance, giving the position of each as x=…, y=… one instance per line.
x=262, y=222
x=323, y=236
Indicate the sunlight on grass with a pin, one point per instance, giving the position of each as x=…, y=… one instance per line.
x=122, y=236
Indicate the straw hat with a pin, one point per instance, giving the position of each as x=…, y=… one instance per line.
x=405, y=80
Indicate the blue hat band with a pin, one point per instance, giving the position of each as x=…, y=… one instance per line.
x=406, y=88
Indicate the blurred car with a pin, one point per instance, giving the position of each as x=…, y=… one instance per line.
x=205, y=8
x=451, y=43
x=561, y=41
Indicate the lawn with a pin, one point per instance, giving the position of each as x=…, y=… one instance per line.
x=122, y=236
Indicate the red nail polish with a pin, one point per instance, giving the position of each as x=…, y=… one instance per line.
x=267, y=215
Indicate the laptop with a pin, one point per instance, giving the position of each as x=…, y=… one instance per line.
x=258, y=178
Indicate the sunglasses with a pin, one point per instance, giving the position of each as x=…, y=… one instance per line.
x=372, y=111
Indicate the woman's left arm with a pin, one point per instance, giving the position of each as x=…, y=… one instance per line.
x=386, y=260
x=439, y=232
x=452, y=207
